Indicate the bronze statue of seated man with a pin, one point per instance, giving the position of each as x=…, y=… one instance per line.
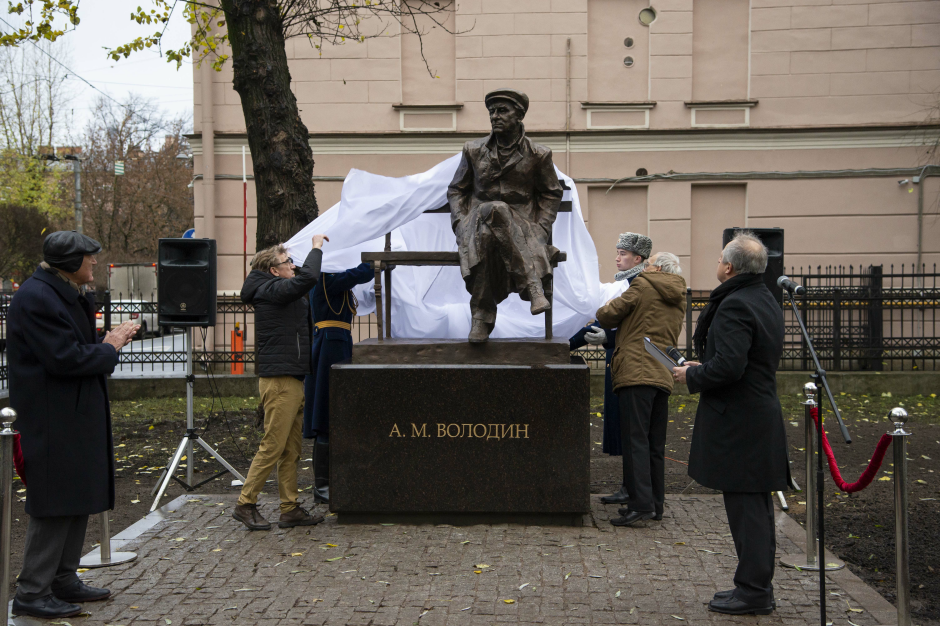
x=503, y=201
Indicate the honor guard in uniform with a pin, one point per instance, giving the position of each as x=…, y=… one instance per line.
x=333, y=306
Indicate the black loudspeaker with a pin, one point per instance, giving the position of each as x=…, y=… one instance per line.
x=773, y=239
x=186, y=282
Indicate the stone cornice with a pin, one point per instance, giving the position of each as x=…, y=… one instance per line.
x=608, y=141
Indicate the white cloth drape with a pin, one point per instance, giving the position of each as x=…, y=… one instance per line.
x=433, y=301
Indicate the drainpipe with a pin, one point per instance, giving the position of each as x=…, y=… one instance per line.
x=568, y=107
x=208, y=167
x=208, y=151
x=919, y=181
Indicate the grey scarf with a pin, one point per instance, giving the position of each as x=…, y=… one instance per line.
x=630, y=273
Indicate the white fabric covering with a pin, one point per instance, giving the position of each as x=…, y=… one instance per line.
x=433, y=301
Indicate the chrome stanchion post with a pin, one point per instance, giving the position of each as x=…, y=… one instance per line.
x=104, y=557
x=809, y=428
x=6, y=508
x=902, y=553
x=810, y=561
x=105, y=537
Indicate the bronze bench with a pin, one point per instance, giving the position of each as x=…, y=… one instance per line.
x=387, y=261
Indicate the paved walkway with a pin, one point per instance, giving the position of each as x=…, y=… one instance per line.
x=199, y=566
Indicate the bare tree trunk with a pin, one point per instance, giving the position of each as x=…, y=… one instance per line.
x=278, y=139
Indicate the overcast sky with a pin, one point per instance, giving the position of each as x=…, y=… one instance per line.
x=106, y=23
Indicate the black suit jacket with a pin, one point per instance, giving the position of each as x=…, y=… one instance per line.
x=739, y=442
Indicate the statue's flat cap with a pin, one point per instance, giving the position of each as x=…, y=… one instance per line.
x=63, y=245
x=516, y=97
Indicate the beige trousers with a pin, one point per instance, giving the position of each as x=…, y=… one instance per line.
x=283, y=401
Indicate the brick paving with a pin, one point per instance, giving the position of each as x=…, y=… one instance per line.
x=200, y=566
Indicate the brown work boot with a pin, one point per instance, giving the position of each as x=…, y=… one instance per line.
x=479, y=332
x=298, y=517
x=248, y=515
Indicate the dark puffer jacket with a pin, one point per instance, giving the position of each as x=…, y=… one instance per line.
x=282, y=318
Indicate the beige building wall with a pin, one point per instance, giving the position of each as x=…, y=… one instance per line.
x=749, y=90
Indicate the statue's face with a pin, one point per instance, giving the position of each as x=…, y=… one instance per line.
x=505, y=117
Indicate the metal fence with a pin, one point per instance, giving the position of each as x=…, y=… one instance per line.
x=870, y=319
x=859, y=320
x=228, y=347
x=867, y=319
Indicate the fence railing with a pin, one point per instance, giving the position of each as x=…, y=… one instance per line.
x=859, y=319
x=228, y=347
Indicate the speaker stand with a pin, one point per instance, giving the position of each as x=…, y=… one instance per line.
x=191, y=437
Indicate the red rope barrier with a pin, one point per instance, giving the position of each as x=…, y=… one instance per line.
x=873, y=466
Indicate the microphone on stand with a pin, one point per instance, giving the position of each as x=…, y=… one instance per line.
x=676, y=356
x=784, y=282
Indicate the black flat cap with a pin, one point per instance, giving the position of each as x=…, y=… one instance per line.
x=516, y=97
x=66, y=249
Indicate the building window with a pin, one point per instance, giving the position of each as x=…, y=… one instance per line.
x=628, y=61
x=647, y=16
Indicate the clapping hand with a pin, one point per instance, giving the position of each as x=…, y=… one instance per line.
x=121, y=335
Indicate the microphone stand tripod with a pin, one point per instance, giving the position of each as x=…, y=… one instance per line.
x=820, y=376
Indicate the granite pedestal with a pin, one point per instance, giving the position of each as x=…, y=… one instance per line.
x=460, y=442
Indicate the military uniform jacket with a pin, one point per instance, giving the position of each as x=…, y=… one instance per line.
x=330, y=301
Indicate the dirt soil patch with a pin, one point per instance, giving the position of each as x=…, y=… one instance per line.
x=860, y=526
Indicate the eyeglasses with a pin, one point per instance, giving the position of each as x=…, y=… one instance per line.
x=291, y=261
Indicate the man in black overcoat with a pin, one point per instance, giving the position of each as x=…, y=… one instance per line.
x=58, y=366
x=739, y=445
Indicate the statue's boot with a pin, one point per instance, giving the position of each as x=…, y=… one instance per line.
x=538, y=303
x=479, y=332
x=321, y=472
